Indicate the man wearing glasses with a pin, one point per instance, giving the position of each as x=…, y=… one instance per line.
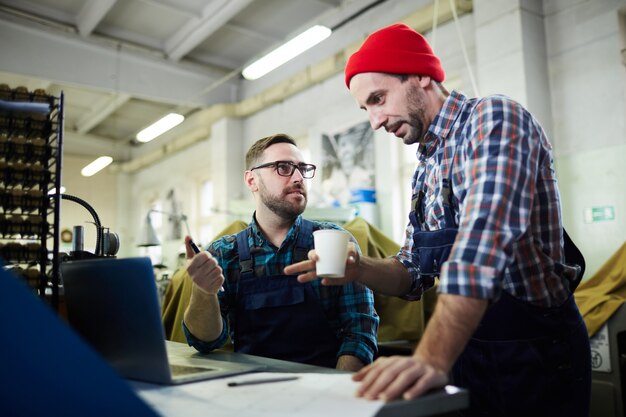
x=265, y=312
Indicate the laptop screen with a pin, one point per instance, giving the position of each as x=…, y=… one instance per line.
x=113, y=304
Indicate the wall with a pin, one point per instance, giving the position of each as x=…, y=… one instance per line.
x=594, y=178
x=99, y=191
x=588, y=106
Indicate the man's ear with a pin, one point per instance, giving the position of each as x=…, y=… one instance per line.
x=251, y=181
x=422, y=80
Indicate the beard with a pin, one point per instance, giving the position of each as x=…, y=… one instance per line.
x=280, y=204
x=416, y=106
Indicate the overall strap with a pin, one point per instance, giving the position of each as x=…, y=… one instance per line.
x=446, y=188
x=573, y=257
x=302, y=244
x=246, y=263
x=417, y=203
x=447, y=193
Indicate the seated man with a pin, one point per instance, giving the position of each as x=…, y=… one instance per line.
x=265, y=312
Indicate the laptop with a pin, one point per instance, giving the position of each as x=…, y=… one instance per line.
x=113, y=304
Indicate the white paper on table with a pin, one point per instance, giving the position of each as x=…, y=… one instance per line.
x=311, y=395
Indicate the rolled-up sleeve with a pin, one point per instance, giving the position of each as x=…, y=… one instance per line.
x=359, y=322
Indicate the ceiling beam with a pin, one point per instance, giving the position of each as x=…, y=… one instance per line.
x=37, y=51
x=91, y=14
x=252, y=33
x=89, y=145
x=196, y=30
x=100, y=111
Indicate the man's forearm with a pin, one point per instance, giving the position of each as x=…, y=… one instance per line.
x=386, y=276
x=202, y=316
x=449, y=329
x=349, y=363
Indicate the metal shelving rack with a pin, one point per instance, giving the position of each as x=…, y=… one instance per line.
x=31, y=141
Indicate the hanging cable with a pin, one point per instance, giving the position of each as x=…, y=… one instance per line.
x=464, y=49
x=357, y=14
x=433, y=40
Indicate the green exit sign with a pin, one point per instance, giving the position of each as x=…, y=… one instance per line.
x=599, y=214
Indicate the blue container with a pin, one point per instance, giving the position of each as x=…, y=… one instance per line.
x=363, y=195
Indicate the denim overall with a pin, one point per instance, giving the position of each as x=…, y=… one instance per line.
x=278, y=317
x=522, y=360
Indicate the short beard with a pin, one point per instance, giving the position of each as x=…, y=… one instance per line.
x=416, y=105
x=280, y=206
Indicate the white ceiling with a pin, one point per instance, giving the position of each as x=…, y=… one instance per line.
x=122, y=64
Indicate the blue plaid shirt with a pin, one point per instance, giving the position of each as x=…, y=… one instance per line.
x=349, y=308
x=506, y=203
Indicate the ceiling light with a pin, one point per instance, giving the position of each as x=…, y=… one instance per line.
x=160, y=126
x=285, y=52
x=96, y=166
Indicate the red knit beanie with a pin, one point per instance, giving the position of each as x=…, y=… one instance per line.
x=396, y=49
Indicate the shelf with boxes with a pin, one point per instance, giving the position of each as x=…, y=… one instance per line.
x=31, y=138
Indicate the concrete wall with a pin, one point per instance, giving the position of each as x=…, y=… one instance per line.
x=99, y=191
x=587, y=91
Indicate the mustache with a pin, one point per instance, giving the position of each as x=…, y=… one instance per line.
x=296, y=187
x=394, y=126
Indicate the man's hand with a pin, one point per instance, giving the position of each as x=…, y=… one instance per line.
x=203, y=270
x=452, y=324
x=393, y=377
x=306, y=269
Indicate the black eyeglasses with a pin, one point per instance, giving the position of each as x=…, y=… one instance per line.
x=287, y=168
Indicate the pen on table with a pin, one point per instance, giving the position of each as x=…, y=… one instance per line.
x=196, y=250
x=262, y=381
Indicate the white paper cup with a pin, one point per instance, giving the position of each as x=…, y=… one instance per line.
x=332, y=248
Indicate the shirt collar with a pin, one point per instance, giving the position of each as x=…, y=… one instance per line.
x=260, y=239
x=441, y=127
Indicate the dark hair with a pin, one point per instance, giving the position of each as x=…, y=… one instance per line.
x=405, y=77
x=256, y=150
x=401, y=77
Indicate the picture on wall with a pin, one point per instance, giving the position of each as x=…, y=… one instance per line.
x=348, y=166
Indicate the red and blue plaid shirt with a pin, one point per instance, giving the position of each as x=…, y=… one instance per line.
x=506, y=203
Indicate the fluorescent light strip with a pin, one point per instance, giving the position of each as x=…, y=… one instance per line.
x=96, y=166
x=285, y=52
x=160, y=126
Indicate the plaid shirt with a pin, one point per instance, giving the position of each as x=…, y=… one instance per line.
x=506, y=203
x=349, y=308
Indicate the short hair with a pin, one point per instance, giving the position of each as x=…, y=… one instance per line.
x=404, y=77
x=401, y=77
x=256, y=150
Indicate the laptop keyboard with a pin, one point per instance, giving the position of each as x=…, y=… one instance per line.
x=178, y=370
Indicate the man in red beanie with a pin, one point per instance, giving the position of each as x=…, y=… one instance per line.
x=486, y=221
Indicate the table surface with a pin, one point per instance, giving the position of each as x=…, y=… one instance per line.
x=435, y=403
